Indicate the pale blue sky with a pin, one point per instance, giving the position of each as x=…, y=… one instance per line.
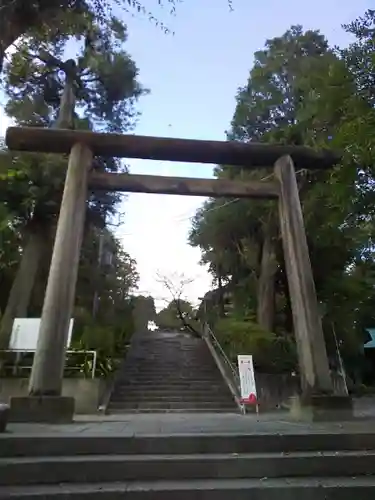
x=193, y=77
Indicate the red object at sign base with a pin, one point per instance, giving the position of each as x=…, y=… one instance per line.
x=251, y=400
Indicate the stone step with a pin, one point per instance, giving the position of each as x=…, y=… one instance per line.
x=169, y=382
x=177, y=370
x=172, y=405
x=64, y=444
x=156, y=368
x=170, y=397
x=143, y=352
x=172, y=363
x=169, y=376
x=123, y=396
x=169, y=388
x=111, y=468
x=214, y=489
x=160, y=348
x=169, y=391
x=173, y=380
x=119, y=411
x=166, y=391
x=169, y=362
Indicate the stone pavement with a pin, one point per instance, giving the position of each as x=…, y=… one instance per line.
x=169, y=424
x=204, y=423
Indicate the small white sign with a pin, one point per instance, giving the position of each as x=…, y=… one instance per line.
x=247, y=379
x=25, y=334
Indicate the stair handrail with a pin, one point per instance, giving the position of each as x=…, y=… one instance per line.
x=223, y=363
x=223, y=354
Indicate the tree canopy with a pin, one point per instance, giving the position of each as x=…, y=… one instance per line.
x=105, y=87
x=301, y=91
x=20, y=17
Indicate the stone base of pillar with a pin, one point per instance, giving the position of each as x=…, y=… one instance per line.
x=322, y=408
x=4, y=416
x=43, y=409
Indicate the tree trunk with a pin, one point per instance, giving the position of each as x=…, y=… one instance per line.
x=266, y=282
x=65, y=118
x=20, y=293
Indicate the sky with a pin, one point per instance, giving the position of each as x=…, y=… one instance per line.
x=193, y=76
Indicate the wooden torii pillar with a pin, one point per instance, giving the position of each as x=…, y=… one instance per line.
x=45, y=401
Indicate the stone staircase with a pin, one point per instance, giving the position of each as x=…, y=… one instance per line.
x=320, y=466
x=169, y=372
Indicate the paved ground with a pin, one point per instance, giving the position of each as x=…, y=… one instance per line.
x=166, y=424
x=148, y=424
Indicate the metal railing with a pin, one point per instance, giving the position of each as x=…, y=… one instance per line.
x=16, y=366
x=226, y=367
x=224, y=356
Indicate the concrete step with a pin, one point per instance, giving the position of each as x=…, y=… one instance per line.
x=120, y=411
x=169, y=371
x=194, y=386
x=172, y=380
x=158, y=391
x=111, y=468
x=198, y=375
x=173, y=390
x=170, y=397
x=18, y=445
x=172, y=405
x=214, y=489
x=176, y=381
x=177, y=388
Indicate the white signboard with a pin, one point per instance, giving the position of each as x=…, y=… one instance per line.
x=25, y=334
x=247, y=379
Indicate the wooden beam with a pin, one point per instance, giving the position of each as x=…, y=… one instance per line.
x=215, y=188
x=246, y=155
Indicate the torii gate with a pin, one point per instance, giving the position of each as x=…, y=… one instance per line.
x=45, y=401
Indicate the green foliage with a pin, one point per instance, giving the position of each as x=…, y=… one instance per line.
x=110, y=344
x=241, y=335
x=301, y=91
x=31, y=184
x=169, y=318
x=143, y=311
x=62, y=18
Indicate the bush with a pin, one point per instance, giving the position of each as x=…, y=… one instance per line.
x=271, y=353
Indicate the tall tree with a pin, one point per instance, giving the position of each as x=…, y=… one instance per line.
x=97, y=98
x=301, y=91
x=19, y=17
x=266, y=110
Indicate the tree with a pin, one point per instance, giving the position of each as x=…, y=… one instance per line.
x=179, y=313
x=300, y=91
x=174, y=315
x=143, y=311
x=96, y=98
x=266, y=110
x=20, y=17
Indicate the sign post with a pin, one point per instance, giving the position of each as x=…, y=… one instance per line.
x=247, y=380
